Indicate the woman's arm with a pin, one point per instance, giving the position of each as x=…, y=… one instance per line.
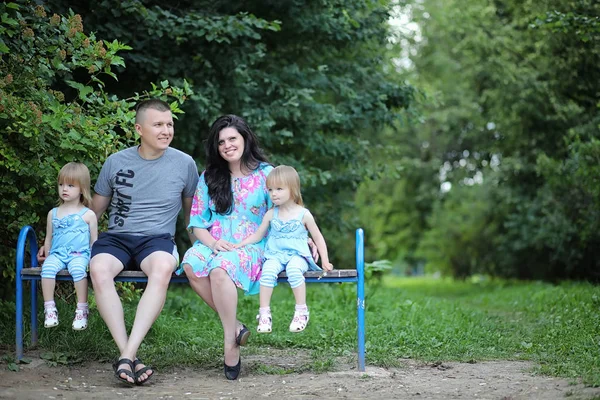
x=204, y=236
x=311, y=226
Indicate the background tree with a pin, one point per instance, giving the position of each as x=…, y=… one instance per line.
x=312, y=78
x=511, y=125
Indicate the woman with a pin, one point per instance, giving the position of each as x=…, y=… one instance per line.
x=228, y=206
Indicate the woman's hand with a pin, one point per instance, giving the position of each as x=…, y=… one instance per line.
x=222, y=245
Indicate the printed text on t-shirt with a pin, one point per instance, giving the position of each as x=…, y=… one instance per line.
x=123, y=201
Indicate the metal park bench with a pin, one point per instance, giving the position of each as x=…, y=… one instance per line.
x=32, y=274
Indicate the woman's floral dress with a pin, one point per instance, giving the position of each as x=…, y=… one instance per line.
x=250, y=203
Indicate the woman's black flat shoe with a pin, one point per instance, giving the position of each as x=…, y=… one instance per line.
x=232, y=373
x=242, y=337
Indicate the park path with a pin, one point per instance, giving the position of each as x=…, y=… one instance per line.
x=498, y=380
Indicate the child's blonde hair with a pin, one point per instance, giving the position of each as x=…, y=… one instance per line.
x=78, y=174
x=286, y=176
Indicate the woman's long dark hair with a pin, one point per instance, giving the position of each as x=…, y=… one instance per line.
x=218, y=175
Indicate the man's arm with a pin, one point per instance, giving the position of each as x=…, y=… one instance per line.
x=99, y=205
x=187, y=209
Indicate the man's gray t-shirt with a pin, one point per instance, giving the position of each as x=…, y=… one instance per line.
x=145, y=194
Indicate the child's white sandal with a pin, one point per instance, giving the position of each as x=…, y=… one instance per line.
x=50, y=317
x=80, y=321
x=299, y=321
x=264, y=323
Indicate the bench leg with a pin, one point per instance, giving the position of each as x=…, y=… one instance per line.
x=19, y=317
x=27, y=235
x=360, y=297
x=34, y=332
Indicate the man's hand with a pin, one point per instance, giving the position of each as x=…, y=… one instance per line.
x=313, y=249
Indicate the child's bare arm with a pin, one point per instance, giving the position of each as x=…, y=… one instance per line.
x=260, y=232
x=48, y=239
x=317, y=236
x=92, y=221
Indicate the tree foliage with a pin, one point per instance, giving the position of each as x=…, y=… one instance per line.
x=312, y=78
x=54, y=109
x=511, y=122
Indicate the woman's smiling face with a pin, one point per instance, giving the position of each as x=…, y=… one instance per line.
x=231, y=145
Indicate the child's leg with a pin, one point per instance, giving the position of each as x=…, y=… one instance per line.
x=81, y=289
x=50, y=311
x=295, y=271
x=268, y=280
x=265, y=295
x=48, y=286
x=300, y=294
x=78, y=269
x=49, y=270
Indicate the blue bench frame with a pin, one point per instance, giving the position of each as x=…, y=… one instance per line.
x=27, y=236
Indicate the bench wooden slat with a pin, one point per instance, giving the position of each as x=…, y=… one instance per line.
x=336, y=273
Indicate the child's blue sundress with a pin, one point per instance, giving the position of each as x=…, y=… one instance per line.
x=287, y=239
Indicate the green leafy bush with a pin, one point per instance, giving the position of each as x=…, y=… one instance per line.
x=53, y=110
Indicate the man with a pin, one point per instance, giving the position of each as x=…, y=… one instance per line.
x=145, y=187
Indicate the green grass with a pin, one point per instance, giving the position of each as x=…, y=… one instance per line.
x=556, y=326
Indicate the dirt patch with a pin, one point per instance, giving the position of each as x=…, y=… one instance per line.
x=506, y=380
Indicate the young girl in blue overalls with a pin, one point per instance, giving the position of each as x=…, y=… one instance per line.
x=71, y=229
x=288, y=224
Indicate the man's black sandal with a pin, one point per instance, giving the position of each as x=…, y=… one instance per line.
x=127, y=372
x=139, y=373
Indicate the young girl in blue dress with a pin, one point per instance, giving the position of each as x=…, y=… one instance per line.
x=288, y=224
x=70, y=231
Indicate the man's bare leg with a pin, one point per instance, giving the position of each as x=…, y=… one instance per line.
x=103, y=269
x=159, y=267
